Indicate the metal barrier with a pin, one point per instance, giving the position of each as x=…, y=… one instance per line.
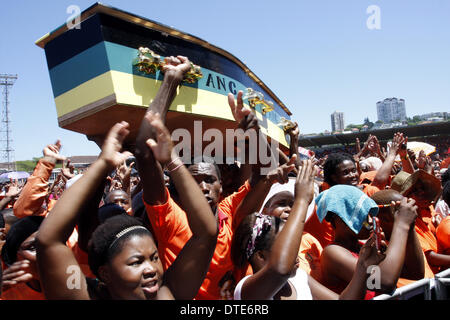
x=438, y=284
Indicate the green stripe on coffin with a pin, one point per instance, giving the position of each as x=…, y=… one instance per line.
x=95, y=83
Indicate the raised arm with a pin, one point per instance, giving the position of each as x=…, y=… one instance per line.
x=407, y=165
x=265, y=283
x=35, y=190
x=356, y=289
x=54, y=258
x=13, y=192
x=150, y=171
x=293, y=145
x=382, y=177
x=186, y=274
x=254, y=199
x=391, y=267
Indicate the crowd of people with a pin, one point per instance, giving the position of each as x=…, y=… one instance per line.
x=141, y=224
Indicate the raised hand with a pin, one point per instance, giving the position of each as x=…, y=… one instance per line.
x=163, y=146
x=176, y=66
x=16, y=273
x=68, y=170
x=238, y=109
x=113, y=144
x=369, y=255
x=405, y=211
x=14, y=189
x=52, y=151
x=124, y=171
x=304, y=185
x=294, y=131
x=280, y=174
x=397, y=142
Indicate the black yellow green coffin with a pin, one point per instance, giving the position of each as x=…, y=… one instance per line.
x=95, y=82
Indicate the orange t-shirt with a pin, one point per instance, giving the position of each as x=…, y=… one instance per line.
x=309, y=254
x=369, y=175
x=171, y=230
x=427, y=239
x=443, y=236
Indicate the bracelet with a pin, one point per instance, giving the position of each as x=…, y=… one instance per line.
x=172, y=170
x=171, y=162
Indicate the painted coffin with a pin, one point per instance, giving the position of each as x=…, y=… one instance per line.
x=96, y=83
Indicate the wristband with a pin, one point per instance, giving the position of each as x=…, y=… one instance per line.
x=171, y=162
x=176, y=168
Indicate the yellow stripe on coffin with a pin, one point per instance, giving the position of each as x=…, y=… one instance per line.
x=119, y=88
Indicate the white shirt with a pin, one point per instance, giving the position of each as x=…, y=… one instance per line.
x=299, y=281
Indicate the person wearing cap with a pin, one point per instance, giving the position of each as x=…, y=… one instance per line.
x=416, y=266
x=424, y=188
x=351, y=212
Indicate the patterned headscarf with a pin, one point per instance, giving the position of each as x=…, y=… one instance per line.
x=263, y=222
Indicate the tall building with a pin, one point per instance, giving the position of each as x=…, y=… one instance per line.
x=337, y=121
x=391, y=109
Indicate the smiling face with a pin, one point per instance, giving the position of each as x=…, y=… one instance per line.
x=208, y=180
x=346, y=173
x=135, y=272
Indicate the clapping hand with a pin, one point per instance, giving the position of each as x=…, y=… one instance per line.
x=162, y=148
x=111, y=150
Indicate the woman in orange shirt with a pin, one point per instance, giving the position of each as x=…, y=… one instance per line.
x=122, y=252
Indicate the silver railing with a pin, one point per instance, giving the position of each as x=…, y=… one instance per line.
x=425, y=287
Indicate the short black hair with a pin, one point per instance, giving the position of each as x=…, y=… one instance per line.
x=208, y=160
x=99, y=249
x=331, y=164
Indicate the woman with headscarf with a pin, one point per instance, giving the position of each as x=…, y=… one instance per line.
x=351, y=212
x=271, y=246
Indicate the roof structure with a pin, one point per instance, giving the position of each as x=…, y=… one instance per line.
x=412, y=132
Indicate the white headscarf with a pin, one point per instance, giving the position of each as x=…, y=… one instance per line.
x=290, y=187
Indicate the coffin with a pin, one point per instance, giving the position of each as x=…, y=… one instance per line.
x=96, y=83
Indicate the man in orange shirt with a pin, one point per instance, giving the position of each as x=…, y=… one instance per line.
x=415, y=266
x=168, y=219
x=424, y=188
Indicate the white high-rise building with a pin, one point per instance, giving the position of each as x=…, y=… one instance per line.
x=391, y=109
x=337, y=121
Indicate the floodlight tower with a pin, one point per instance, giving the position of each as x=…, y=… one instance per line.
x=7, y=81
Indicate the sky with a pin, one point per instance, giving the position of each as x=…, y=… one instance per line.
x=317, y=56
